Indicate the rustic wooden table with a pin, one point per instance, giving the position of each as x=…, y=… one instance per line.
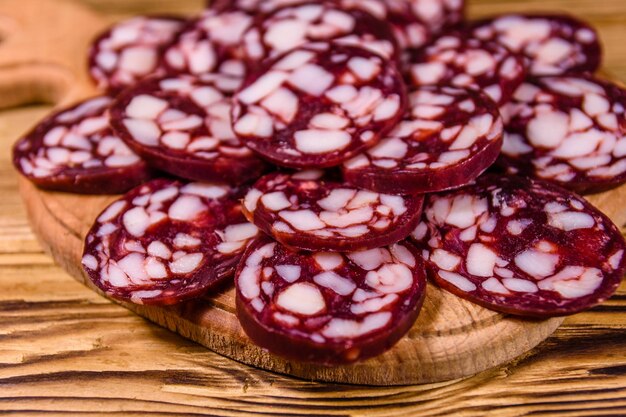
x=65, y=349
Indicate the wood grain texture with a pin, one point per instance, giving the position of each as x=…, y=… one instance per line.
x=64, y=349
x=452, y=338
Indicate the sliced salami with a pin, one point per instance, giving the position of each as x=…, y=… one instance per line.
x=318, y=105
x=448, y=137
x=254, y=7
x=308, y=211
x=551, y=44
x=166, y=242
x=293, y=26
x=211, y=43
x=181, y=125
x=461, y=61
x=328, y=308
x=75, y=150
x=521, y=246
x=131, y=50
x=414, y=22
x=567, y=129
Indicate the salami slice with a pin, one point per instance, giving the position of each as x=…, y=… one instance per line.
x=318, y=105
x=308, y=211
x=567, y=129
x=414, y=22
x=328, y=308
x=465, y=62
x=293, y=26
x=448, y=137
x=551, y=44
x=131, y=50
x=521, y=246
x=181, y=125
x=211, y=43
x=254, y=7
x=166, y=242
x=75, y=150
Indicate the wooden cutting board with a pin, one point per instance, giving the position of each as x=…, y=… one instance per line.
x=452, y=338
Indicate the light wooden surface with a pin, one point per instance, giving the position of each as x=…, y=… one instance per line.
x=452, y=338
x=64, y=348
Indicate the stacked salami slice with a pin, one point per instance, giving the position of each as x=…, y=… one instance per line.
x=329, y=156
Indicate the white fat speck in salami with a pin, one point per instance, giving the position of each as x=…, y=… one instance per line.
x=323, y=214
x=464, y=62
x=211, y=43
x=181, y=125
x=131, y=50
x=568, y=129
x=550, y=44
x=318, y=105
x=414, y=22
x=254, y=7
x=447, y=138
x=293, y=26
x=165, y=242
x=75, y=150
x=535, y=249
x=325, y=310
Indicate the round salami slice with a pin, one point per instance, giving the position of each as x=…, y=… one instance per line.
x=326, y=307
x=464, y=62
x=318, y=105
x=293, y=26
x=567, y=129
x=414, y=22
x=166, y=242
x=448, y=137
x=521, y=246
x=131, y=50
x=306, y=211
x=75, y=150
x=551, y=44
x=181, y=125
x=254, y=7
x=211, y=43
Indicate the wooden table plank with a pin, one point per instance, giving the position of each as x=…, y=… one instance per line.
x=65, y=349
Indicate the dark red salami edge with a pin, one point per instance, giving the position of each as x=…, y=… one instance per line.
x=329, y=353
x=525, y=306
x=426, y=182
x=77, y=179
x=113, y=89
x=301, y=350
x=166, y=242
x=311, y=192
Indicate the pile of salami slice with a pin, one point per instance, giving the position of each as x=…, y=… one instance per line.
x=329, y=156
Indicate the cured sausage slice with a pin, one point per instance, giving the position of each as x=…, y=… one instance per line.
x=254, y=7
x=181, y=125
x=131, y=50
x=448, y=137
x=318, y=105
x=521, y=246
x=325, y=307
x=211, y=43
x=75, y=150
x=414, y=22
x=166, y=242
x=464, y=62
x=567, y=129
x=306, y=211
x=552, y=44
x=293, y=26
